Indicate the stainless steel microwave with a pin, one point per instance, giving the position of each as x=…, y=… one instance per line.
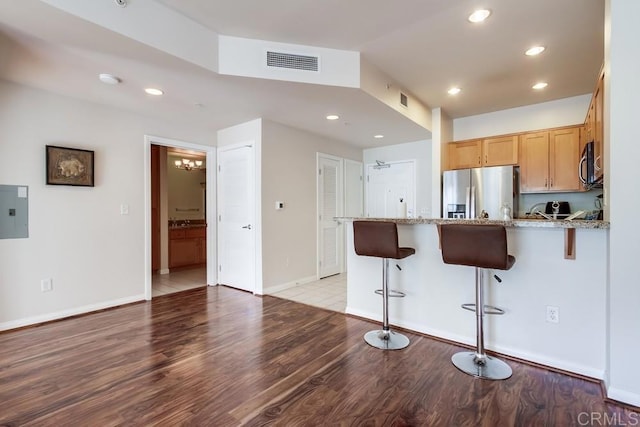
x=587, y=167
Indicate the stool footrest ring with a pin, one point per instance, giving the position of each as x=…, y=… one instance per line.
x=488, y=309
x=392, y=293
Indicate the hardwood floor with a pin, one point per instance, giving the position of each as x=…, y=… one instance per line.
x=221, y=357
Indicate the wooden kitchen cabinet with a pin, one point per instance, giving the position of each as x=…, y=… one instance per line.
x=475, y=153
x=187, y=246
x=465, y=154
x=500, y=151
x=549, y=160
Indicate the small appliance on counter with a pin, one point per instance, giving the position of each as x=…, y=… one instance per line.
x=557, y=209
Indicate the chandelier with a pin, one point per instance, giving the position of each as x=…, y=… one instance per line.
x=188, y=165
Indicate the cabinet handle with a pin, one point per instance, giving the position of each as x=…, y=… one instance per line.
x=486, y=159
x=479, y=159
x=545, y=183
x=551, y=183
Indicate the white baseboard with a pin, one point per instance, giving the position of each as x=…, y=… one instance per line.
x=623, y=396
x=281, y=287
x=164, y=271
x=565, y=365
x=28, y=321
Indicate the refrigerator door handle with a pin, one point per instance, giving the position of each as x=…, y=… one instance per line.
x=467, y=203
x=472, y=209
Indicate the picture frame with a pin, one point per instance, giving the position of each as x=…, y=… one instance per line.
x=69, y=166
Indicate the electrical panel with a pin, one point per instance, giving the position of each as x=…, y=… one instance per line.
x=14, y=211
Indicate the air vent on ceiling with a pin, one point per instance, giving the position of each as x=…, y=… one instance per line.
x=288, y=60
x=404, y=101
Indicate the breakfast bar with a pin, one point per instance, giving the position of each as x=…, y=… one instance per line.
x=543, y=279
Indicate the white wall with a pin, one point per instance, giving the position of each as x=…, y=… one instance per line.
x=289, y=175
x=562, y=112
x=622, y=92
x=419, y=151
x=77, y=236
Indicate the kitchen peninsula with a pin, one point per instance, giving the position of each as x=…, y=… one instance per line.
x=542, y=277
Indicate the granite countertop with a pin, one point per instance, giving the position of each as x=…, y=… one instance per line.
x=518, y=223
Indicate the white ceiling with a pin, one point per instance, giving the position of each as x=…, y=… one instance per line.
x=425, y=45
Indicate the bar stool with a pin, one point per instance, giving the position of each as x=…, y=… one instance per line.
x=380, y=239
x=482, y=247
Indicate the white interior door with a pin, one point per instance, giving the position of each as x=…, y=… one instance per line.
x=330, y=205
x=236, y=217
x=391, y=189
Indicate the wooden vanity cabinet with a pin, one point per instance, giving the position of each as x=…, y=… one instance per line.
x=187, y=246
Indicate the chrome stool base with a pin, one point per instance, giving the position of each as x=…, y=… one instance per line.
x=485, y=367
x=386, y=340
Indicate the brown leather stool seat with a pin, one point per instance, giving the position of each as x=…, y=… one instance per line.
x=380, y=239
x=483, y=247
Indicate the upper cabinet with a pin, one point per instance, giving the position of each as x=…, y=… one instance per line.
x=465, y=154
x=549, y=160
x=497, y=151
x=500, y=151
x=594, y=127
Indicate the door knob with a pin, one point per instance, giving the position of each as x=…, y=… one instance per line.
x=248, y=226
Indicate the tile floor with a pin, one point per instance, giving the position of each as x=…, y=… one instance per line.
x=176, y=281
x=329, y=293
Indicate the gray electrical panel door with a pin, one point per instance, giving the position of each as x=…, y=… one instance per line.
x=14, y=211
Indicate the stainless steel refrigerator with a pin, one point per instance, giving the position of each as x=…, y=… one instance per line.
x=480, y=192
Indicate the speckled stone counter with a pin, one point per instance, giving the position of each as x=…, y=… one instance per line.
x=529, y=223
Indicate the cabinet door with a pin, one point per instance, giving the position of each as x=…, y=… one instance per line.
x=183, y=252
x=598, y=132
x=534, y=162
x=465, y=154
x=500, y=151
x=564, y=155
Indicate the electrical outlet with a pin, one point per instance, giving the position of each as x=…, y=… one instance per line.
x=46, y=285
x=553, y=314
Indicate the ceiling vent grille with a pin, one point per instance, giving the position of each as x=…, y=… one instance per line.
x=288, y=60
x=404, y=100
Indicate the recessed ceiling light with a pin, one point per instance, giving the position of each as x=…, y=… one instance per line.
x=540, y=85
x=109, y=79
x=535, y=50
x=154, y=91
x=332, y=117
x=454, y=91
x=479, y=15
x=378, y=136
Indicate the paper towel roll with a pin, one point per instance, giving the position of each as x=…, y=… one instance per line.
x=402, y=209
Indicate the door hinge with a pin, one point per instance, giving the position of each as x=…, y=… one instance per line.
x=220, y=268
x=219, y=218
x=219, y=168
x=320, y=263
x=367, y=178
x=360, y=177
x=319, y=171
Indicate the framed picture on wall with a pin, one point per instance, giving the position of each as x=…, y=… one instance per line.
x=69, y=166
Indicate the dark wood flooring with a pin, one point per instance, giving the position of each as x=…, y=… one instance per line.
x=222, y=357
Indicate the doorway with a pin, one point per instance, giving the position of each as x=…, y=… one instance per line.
x=157, y=216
